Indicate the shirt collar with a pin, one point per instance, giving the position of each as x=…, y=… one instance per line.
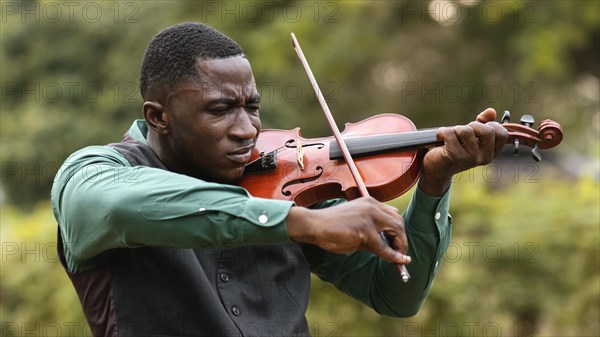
x=139, y=131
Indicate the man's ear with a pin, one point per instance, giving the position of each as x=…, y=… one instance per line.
x=156, y=117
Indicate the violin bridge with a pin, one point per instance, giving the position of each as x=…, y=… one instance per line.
x=299, y=154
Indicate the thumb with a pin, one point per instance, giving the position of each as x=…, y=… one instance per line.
x=488, y=115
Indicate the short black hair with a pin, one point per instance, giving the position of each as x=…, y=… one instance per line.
x=171, y=55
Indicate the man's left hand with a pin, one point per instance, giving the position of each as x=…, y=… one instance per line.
x=465, y=147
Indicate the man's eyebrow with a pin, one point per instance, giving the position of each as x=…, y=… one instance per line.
x=255, y=98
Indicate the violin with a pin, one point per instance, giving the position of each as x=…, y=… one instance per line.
x=387, y=150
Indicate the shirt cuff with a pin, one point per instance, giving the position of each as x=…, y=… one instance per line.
x=428, y=214
x=268, y=217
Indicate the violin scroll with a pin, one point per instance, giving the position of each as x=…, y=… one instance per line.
x=548, y=135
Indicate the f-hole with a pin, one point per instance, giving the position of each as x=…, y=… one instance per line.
x=301, y=181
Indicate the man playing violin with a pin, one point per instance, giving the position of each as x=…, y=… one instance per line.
x=158, y=239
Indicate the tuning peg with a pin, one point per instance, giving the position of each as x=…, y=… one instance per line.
x=527, y=120
x=516, y=147
x=535, y=153
x=506, y=117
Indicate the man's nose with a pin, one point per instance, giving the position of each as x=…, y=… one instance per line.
x=243, y=126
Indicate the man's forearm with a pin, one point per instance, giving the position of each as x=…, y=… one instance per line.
x=102, y=205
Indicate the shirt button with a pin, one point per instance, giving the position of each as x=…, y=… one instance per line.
x=202, y=209
x=438, y=215
x=263, y=219
x=224, y=277
x=437, y=263
x=235, y=311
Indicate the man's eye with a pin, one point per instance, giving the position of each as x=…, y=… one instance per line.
x=252, y=107
x=220, y=108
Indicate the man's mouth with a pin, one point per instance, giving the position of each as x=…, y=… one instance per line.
x=241, y=155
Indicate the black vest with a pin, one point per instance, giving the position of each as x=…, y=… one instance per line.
x=157, y=291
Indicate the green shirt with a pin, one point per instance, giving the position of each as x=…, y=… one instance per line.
x=101, y=203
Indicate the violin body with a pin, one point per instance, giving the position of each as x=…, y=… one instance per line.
x=313, y=177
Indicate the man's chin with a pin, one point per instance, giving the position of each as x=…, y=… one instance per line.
x=237, y=178
x=229, y=180
x=233, y=178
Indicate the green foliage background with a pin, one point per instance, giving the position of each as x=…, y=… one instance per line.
x=524, y=258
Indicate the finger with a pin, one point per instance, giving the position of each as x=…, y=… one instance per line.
x=440, y=135
x=393, y=227
x=448, y=136
x=468, y=140
x=396, y=236
x=487, y=115
x=392, y=211
x=390, y=226
x=384, y=250
x=501, y=137
x=486, y=137
x=399, y=241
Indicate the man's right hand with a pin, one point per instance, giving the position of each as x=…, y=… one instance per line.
x=352, y=226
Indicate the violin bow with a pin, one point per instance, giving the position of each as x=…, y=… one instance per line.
x=404, y=275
